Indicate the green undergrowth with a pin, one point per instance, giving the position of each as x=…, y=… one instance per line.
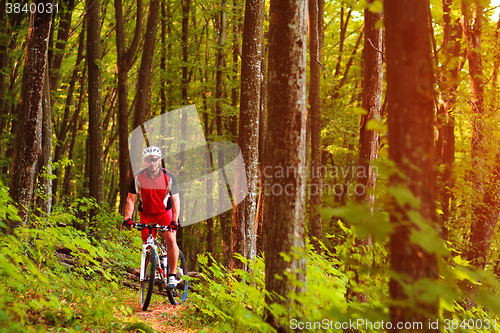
x=40, y=293
x=347, y=287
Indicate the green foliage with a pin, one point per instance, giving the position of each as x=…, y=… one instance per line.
x=41, y=292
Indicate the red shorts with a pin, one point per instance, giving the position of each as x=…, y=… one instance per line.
x=164, y=218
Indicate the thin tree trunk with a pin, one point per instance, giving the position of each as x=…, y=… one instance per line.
x=63, y=131
x=410, y=95
x=262, y=140
x=445, y=120
x=95, y=153
x=486, y=212
x=284, y=212
x=62, y=39
x=76, y=124
x=372, y=102
x=144, y=79
x=186, y=5
x=243, y=224
x=45, y=162
x=316, y=189
x=125, y=61
x=28, y=144
x=219, y=95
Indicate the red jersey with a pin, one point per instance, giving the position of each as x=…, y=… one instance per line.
x=154, y=193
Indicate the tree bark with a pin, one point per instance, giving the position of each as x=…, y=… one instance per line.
x=487, y=211
x=28, y=144
x=316, y=189
x=243, y=224
x=284, y=212
x=262, y=140
x=144, y=79
x=95, y=157
x=186, y=7
x=45, y=162
x=62, y=39
x=65, y=122
x=125, y=61
x=445, y=120
x=411, y=145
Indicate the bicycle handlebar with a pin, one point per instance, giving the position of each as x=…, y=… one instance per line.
x=141, y=226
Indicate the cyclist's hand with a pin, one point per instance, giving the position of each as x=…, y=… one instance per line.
x=172, y=226
x=128, y=223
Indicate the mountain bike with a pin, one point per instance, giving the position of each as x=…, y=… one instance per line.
x=154, y=269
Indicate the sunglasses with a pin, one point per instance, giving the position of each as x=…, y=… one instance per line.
x=152, y=159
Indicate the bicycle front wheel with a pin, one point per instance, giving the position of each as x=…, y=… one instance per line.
x=148, y=283
x=179, y=294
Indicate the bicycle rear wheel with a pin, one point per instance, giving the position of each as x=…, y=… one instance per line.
x=179, y=294
x=148, y=283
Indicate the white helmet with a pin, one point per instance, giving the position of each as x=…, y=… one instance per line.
x=151, y=151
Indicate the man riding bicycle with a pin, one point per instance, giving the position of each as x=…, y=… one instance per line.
x=160, y=204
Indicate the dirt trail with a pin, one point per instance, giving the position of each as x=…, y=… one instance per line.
x=163, y=317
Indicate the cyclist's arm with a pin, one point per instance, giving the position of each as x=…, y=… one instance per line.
x=129, y=207
x=176, y=206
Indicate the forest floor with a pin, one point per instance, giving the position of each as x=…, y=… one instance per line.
x=162, y=316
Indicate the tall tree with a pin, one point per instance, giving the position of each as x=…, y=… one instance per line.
x=372, y=103
x=284, y=210
x=144, y=77
x=125, y=61
x=243, y=226
x=445, y=122
x=28, y=144
x=485, y=212
x=44, y=202
x=315, y=37
x=95, y=152
x=262, y=140
x=410, y=97
x=221, y=23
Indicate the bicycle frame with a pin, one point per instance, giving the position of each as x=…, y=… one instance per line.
x=152, y=243
x=157, y=271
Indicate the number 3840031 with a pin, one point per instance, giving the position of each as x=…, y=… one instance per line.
x=33, y=8
x=470, y=324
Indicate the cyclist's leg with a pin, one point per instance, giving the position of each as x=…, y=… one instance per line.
x=172, y=250
x=170, y=238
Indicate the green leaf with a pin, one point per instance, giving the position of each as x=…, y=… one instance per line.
x=359, y=111
x=376, y=7
x=404, y=196
x=376, y=126
x=462, y=262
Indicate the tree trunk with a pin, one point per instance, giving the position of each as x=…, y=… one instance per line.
x=372, y=103
x=485, y=216
x=316, y=189
x=284, y=210
x=65, y=122
x=62, y=39
x=28, y=144
x=95, y=157
x=445, y=120
x=186, y=7
x=237, y=50
x=411, y=143
x=144, y=79
x=219, y=96
x=76, y=125
x=45, y=162
x=262, y=140
x=243, y=228
x=125, y=60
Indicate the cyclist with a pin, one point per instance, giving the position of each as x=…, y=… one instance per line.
x=159, y=203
